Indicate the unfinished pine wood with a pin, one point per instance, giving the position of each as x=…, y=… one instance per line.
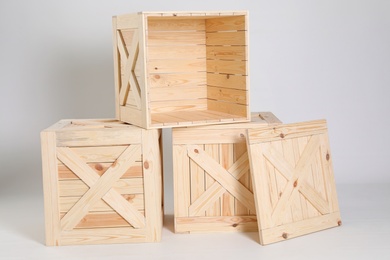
x=166, y=71
x=211, y=177
x=97, y=184
x=293, y=163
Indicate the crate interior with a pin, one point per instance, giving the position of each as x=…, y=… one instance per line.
x=196, y=69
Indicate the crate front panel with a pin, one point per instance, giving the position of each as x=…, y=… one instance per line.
x=212, y=183
x=98, y=188
x=195, y=69
x=293, y=180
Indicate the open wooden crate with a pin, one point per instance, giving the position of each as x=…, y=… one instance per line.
x=102, y=183
x=181, y=69
x=212, y=184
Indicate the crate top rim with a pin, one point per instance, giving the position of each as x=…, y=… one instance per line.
x=88, y=124
x=166, y=14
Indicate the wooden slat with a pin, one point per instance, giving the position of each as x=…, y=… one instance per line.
x=191, y=136
x=133, y=115
x=177, y=105
x=176, y=38
x=100, y=154
x=226, y=38
x=117, y=66
x=226, y=107
x=174, y=52
x=102, y=220
x=226, y=23
x=176, y=66
x=216, y=224
x=286, y=131
x=300, y=228
x=213, y=151
x=267, y=117
x=152, y=184
x=314, y=198
x=181, y=180
x=127, y=21
x=102, y=236
x=197, y=186
x=237, y=53
x=156, y=24
x=50, y=187
x=220, y=174
x=178, y=93
x=240, y=170
x=136, y=200
x=227, y=95
x=227, y=81
x=177, y=80
x=64, y=173
x=98, y=137
x=227, y=67
x=123, y=186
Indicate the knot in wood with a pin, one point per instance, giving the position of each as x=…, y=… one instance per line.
x=242, y=135
x=196, y=151
x=235, y=225
x=156, y=76
x=174, y=14
x=295, y=183
x=285, y=235
x=146, y=165
x=99, y=167
x=281, y=135
x=155, y=68
x=339, y=223
x=228, y=76
x=327, y=156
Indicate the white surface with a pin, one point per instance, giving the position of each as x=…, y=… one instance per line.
x=308, y=60
x=365, y=234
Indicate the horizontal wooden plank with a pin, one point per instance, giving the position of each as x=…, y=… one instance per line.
x=100, y=154
x=229, y=108
x=228, y=95
x=177, y=93
x=175, y=38
x=59, y=125
x=226, y=38
x=227, y=81
x=177, y=105
x=216, y=224
x=226, y=23
x=73, y=188
x=267, y=117
x=133, y=115
x=173, y=52
x=226, y=52
x=175, y=66
x=64, y=173
x=102, y=236
x=156, y=24
x=208, y=136
x=177, y=80
x=98, y=137
x=227, y=67
x=136, y=200
x=299, y=228
x=286, y=131
x=127, y=21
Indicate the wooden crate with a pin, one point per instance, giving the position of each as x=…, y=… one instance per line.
x=293, y=181
x=102, y=183
x=181, y=69
x=212, y=184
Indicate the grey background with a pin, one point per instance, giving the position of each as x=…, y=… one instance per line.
x=308, y=60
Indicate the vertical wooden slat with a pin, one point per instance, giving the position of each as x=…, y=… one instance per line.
x=197, y=183
x=152, y=184
x=117, y=71
x=143, y=82
x=213, y=151
x=50, y=188
x=301, y=198
x=181, y=181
